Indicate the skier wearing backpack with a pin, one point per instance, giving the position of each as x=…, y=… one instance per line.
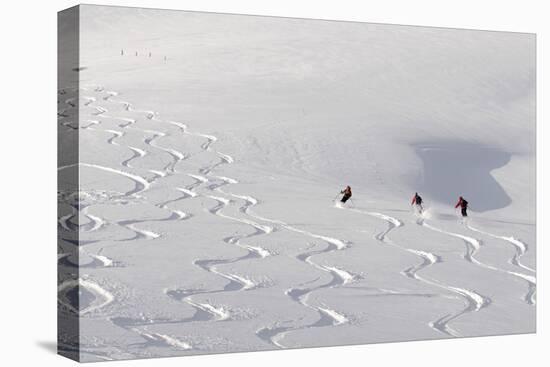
x=347, y=194
x=417, y=200
x=463, y=204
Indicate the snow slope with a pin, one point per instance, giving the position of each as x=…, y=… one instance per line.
x=212, y=147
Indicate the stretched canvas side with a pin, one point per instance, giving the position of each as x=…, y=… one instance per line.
x=68, y=301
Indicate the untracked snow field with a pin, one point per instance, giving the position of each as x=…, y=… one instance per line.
x=211, y=151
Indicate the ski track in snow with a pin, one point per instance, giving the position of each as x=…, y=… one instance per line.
x=94, y=224
x=473, y=300
x=140, y=327
x=521, y=247
x=138, y=153
x=141, y=185
x=300, y=294
x=209, y=186
x=116, y=134
x=340, y=277
x=157, y=339
x=175, y=155
x=260, y=229
x=236, y=282
x=473, y=246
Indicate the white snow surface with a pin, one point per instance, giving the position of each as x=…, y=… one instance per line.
x=212, y=148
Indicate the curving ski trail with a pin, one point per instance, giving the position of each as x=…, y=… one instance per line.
x=252, y=251
x=521, y=247
x=260, y=229
x=205, y=176
x=141, y=184
x=204, y=311
x=116, y=135
x=210, y=139
x=178, y=214
x=339, y=277
x=473, y=246
x=138, y=153
x=176, y=155
x=473, y=300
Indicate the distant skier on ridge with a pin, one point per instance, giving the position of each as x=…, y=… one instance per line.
x=417, y=201
x=463, y=204
x=347, y=194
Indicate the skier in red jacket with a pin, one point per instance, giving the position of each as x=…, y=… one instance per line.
x=417, y=200
x=463, y=204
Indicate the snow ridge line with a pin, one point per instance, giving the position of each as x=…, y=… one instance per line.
x=473, y=300
x=472, y=247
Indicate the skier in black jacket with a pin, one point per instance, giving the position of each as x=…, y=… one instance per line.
x=417, y=200
x=463, y=204
x=347, y=194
